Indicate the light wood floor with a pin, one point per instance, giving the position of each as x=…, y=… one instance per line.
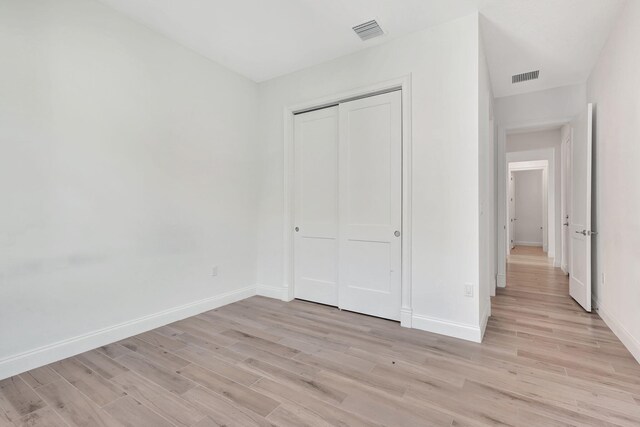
x=264, y=362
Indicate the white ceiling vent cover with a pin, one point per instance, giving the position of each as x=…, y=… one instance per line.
x=531, y=75
x=368, y=30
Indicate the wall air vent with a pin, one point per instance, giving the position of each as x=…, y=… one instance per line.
x=531, y=75
x=368, y=30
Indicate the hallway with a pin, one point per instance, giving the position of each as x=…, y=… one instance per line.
x=572, y=358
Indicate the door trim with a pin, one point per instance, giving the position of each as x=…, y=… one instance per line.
x=402, y=83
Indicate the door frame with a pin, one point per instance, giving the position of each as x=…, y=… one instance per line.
x=503, y=131
x=565, y=200
x=541, y=165
x=401, y=83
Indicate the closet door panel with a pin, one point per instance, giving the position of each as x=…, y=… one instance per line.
x=316, y=206
x=370, y=203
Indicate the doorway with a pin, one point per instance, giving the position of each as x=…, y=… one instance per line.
x=527, y=207
x=572, y=163
x=347, y=242
x=528, y=204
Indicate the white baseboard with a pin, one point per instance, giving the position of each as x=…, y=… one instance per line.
x=629, y=341
x=484, y=318
x=406, y=317
x=501, y=280
x=22, y=362
x=275, y=292
x=538, y=244
x=445, y=327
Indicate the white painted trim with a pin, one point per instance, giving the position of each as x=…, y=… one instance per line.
x=445, y=327
x=629, y=341
x=276, y=292
x=31, y=359
x=521, y=243
x=501, y=280
x=402, y=83
x=406, y=317
x=484, y=318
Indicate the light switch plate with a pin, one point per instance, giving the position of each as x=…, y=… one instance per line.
x=468, y=290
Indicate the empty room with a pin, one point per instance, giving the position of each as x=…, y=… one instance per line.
x=319, y=213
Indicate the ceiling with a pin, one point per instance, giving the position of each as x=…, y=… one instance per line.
x=561, y=38
x=264, y=39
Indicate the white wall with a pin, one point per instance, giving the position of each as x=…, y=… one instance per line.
x=539, y=107
x=128, y=168
x=529, y=207
x=548, y=144
x=443, y=62
x=614, y=87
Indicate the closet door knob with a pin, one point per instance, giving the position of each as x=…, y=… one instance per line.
x=396, y=233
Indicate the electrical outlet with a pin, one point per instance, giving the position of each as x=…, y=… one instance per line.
x=214, y=271
x=468, y=290
x=602, y=279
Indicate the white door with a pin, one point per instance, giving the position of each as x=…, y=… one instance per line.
x=370, y=206
x=316, y=206
x=566, y=202
x=512, y=211
x=580, y=219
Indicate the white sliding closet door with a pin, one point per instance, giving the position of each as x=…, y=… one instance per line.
x=370, y=205
x=316, y=206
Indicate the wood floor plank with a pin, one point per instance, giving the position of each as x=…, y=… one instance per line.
x=154, y=354
x=320, y=390
x=113, y=350
x=208, y=360
x=45, y=417
x=158, y=374
x=221, y=411
x=261, y=343
x=292, y=415
x=40, y=376
x=131, y=413
x=169, y=405
x=100, y=363
x=328, y=411
x=291, y=365
x=5, y=421
x=17, y=399
x=160, y=340
x=73, y=406
x=237, y=393
x=93, y=385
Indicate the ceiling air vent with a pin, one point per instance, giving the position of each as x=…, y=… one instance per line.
x=368, y=30
x=531, y=75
